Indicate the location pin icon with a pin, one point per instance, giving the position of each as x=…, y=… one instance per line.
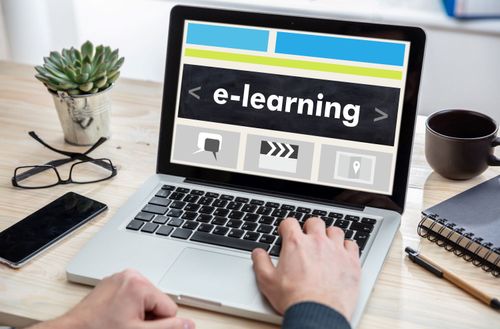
x=355, y=166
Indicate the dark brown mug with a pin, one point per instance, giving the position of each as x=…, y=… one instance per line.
x=459, y=144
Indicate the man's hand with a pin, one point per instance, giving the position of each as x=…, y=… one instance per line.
x=123, y=300
x=317, y=266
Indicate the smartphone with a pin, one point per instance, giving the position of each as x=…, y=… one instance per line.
x=35, y=233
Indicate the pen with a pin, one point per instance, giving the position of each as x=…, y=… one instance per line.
x=440, y=272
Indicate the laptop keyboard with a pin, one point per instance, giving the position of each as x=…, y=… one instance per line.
x=234, y=222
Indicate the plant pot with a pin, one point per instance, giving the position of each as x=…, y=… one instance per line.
x=84, y=118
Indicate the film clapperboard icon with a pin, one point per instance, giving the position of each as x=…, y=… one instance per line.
x=278, y=156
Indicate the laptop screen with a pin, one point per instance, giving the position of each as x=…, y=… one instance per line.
x=317, y=108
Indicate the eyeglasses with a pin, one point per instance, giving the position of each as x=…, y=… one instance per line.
x=87, y=170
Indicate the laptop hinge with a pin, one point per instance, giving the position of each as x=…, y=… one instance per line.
x=273, y=194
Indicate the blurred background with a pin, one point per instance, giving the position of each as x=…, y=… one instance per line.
x=461, y=67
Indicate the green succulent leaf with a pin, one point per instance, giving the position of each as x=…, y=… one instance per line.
x=86, y=87
x=101, y=82
x=113, y=78
x=74, y=92
x=87, y=50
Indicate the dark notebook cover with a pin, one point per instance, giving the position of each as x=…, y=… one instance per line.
x=477, y=211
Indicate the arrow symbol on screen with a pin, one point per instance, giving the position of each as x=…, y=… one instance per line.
x=193, y=91
x=382, y=116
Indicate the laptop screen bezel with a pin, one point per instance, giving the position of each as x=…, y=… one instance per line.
x=415, y=36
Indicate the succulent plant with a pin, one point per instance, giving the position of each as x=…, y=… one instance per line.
x=80, y=72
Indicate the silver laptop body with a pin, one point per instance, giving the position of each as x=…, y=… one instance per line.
x=214, y=276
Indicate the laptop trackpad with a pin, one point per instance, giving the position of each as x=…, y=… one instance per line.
x=219, y=278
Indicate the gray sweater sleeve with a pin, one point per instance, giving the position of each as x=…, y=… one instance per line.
x=310, y=315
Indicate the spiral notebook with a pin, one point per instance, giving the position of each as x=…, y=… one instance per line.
x=468, y=225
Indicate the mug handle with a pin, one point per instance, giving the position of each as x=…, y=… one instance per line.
x=493, y=160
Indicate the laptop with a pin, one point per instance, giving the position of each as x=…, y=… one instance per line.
x=266, y=117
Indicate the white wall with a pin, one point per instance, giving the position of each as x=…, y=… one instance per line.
x=461, y=68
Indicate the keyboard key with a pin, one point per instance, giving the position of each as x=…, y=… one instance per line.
x=234, y=223
x=206, y=227
x=349, y=234
x=144, y=216
x=275, y=232
x=288, y=207
x=212, y=195
x=242, y=200
x=252, y=236
x=206, y=210
x=175, y=222
x=235, y=233
x=204, y=218
x=174, y=213
x=191, y=198
x=275, y=251
x=177, y=205
x=336, y=215
x=164, y=230
x=155, y=209
x=220, y=230
x=236, y=214
x=257, y=202
x=162, y=194
x=249, y=226
x=192, y=207
x=272, y=204
x=251, y=217
x=368, y=220
x=279, y=213
x=307, y=216
x=226, y=197
x=227, y=241
x=278, y=221
x=221, y=212
x=264, y=210
x=319, y=212
x=328, y=220
x=177, y=196
x=249, y=208
x=352, y=218
x=341, y=223
x=219, y=203
x=234, y=205
x=160, y=201
x=182, y=190
x=181, y=233
x=190, y=225
x=135, y=225
x=361, y=227
x=219, y=221
x=304, y=210
x=361, y=239
x=160, y=220
x=189, y=215
x=266, y=238
x=266, y=220
x=149, y=228
x=168, y=187
x=197, y=192
x=278, y=242
x=265, y=228
x=205, y=201
x=296, y=215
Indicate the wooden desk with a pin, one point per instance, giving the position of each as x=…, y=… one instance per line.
x=405, y=295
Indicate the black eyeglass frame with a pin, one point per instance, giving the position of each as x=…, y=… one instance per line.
x=72, y=156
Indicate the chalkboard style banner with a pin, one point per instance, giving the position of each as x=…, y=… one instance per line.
x=324, y=108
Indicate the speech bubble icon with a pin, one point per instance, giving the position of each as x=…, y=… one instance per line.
x=210, y=143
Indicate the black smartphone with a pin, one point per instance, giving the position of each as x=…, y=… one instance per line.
x=30, y=236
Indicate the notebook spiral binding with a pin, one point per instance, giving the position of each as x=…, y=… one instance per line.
x=445, y=241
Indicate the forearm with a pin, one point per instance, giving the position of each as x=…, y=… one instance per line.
x=310, y=315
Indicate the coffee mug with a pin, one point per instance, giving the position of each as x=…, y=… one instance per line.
x=459, y=144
